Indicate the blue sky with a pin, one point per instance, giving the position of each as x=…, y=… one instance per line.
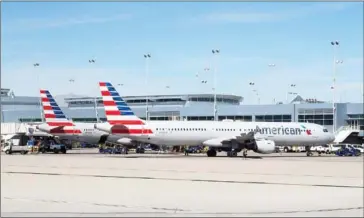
x=295, y=37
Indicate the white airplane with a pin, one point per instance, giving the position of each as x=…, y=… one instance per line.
x=57, y=124
x=231, y=137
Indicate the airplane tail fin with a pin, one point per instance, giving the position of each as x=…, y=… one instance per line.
x=116, y=109
x=53, y=114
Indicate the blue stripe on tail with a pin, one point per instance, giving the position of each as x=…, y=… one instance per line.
x=123, y=108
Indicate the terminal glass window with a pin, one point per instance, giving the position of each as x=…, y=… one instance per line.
x=85, y=120
x=287, y=118
x=200, y=118
x=29, y=120
x=273, y=118
x=317, y=117
x=241, y=118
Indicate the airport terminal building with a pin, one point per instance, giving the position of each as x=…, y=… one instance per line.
x=188, y=107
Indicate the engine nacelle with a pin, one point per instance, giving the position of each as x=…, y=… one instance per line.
x=105, y=127
x=43, y=127
x=265, y=146
x=212, y=143
x=125, y=141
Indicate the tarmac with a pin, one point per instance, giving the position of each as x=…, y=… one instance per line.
x=89, y=184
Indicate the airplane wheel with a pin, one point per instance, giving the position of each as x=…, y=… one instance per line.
x=211, y=153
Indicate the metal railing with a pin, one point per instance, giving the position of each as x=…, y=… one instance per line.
x=349, y=127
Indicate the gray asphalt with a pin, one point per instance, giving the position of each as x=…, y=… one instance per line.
x=90, y=184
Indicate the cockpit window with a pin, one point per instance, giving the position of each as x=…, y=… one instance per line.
x=325, y=130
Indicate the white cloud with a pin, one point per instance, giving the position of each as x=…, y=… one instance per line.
x=38, y=23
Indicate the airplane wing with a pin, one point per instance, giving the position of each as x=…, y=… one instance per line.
x=242, y=138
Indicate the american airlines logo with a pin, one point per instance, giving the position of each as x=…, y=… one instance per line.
x=278, y=131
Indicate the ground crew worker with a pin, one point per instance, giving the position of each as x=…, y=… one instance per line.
x=101, y=148
x=30, y=144
x=186, y=151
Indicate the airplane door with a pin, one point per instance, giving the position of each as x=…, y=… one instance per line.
x=315, y=137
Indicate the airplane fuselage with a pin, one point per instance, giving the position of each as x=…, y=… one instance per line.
x=172, y=133
x=83, y=132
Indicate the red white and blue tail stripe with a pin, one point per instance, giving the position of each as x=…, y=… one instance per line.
x=54, y=116
x=118, y=113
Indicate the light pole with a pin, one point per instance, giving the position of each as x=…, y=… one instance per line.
x=289, y=92
x=120, y=84
x=214, y=53
x=257, y=94
x=92, y=61
x=335, y=44
x=71, y=81
x=36, y=65
x=252, y=84
x=147, y=57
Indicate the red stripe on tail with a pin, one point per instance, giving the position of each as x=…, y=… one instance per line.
x=109, y=103
x=59, y=124
x=126, y=122
x=105, y=93
x=131, y=131
x=47, y=108
x=112, y=113
x=49, y=115
x=65, y=131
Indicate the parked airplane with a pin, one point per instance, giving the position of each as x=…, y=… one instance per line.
x=232, y=137
x=58, y=124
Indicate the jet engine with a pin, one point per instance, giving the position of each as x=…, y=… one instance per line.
x=125, y=141
x=217, y=142
x=264, y=146
x=43, y=127
x=105, y=127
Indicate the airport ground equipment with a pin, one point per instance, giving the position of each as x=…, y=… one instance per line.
x=10, y=149
x=348, y=152
x=55, y=148
x=140, y=150
x=110, y=150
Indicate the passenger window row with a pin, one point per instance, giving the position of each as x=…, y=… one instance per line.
x=201, y=129
x=182, y=129
x=250, y=130
x=225, y=130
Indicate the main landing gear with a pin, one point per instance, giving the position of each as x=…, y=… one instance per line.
x=308, y=151
x=211, y=153
x=232, y=153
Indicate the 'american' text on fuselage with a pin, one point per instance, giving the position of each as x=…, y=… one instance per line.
x=278, y=130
